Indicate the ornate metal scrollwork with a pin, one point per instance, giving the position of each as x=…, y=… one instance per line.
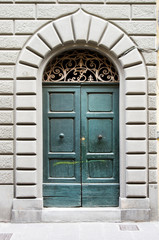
x=80, y=66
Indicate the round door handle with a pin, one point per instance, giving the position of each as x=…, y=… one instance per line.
x=100, y=137
x=61, y=135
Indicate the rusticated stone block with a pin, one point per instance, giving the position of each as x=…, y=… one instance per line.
x=132, y=87
x=6, y=27
x=136, y=146
x=26, y=117
x=6, y=147
x=152, y=102
x=6, y=87
x=6, y=117
x=25, y=72
x=152, y=146
x=17, y=11
x=135, y=102
x=152, y=72
x=26, y=177
x=6, y=176
x=136, y=176
x=26, y=86
x=6, y=161
x=12, y=42
x=26, y=132
x=136, y=190
x=6, y=72
x=6, y=102
x=26, y=102
x=152, y=117
x=143, y=11
x=136, y=161
x=136, y=131
x=136, y=116
x=135, y=72
x=152, y=87
x=26, y=147
x=153, y=131
x=8, y=57
x=153, y=176
x=6, y=132
x=26, y=191
x=26, y=162
x=152, y=161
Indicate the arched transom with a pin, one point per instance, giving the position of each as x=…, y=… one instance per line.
x=80, y=66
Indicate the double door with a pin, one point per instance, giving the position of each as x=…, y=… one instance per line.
x=81, y=146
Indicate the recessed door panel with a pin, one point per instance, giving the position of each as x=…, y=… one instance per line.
x=61, y=102
x=81, y=147
x=99, y=168
x=99, y=102
x=100, y=135
x=61, y=135
x=62, y=168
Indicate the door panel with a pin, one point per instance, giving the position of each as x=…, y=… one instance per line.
x=97, y=102
x=62, y=168
x=62, y=175
x=81, y=173
x=61, y=134
x=99, y=135
x=101, y=195
x=100, y=168
x=62, y=195
x=66, y=105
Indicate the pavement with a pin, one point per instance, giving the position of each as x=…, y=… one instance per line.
x=80, y=231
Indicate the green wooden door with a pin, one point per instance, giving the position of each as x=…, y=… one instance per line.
x=62, y=174
x=81, y=146
x=100, y=146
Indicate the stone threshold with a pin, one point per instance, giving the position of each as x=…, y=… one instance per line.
x=70, y=215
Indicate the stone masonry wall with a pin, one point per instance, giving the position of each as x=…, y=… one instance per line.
x=19, y=19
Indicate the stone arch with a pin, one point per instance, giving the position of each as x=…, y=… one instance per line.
x=85, y=29
x=80, y=27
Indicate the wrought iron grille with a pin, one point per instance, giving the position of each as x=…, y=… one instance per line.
x=80, y=66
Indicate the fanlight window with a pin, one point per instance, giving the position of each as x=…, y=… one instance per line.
x=80, y=66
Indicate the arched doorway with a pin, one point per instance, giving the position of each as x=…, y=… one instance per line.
x=81, y=133
x=46, y=42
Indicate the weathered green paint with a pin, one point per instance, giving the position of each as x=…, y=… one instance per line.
x=81, y=146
